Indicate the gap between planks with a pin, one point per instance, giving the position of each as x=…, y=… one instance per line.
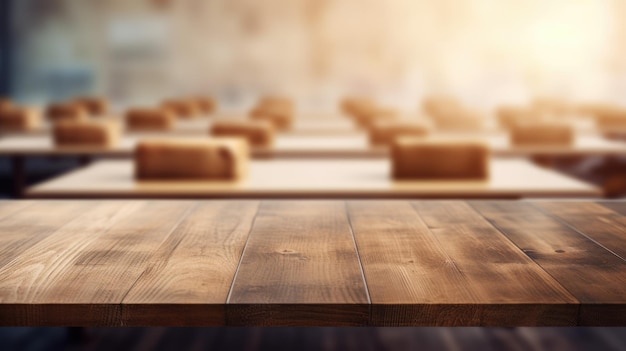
x=243, y=252
x=502, y=232
x=358, y=253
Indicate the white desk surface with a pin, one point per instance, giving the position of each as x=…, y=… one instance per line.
x=285, y=178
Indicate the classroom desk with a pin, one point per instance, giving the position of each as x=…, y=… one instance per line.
x=323, y=178
x=312, y=263
x=353, y=146
x=302, y=126
x=356, y=145
x=18, y=148
x=200, y=126
x=285, y=146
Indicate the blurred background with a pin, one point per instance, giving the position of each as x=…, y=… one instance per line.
x=484, y=52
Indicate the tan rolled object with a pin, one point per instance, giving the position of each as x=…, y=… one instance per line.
x=543, y=134
x=510, y=116
x=277, y=101
x=182, y=108
x=69, y=111
x=596, y=109
x=367, y=118
x=95, y=106
x=348, y=104
x=432, y=159
x=207, y=159
x=90, y=133
x=282, y=118
x=19, y=119
x=354, y=107
x=552, y=106
x=385, y=132
x=610, y=118
x=463, y=121
x=206, y=105
x=259, y=133
x=150, y=119
x=449, y=114
x=6, y=104
x=435, y=106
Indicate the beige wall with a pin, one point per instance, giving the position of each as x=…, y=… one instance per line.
x=485, y=51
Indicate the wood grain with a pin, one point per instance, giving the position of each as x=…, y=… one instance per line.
x=24, y=224
x=408, y=274
x=597, y=222
x=299, y=267
x=495, y=269
x=90, y=263
x=8, y=208
x=592, y=274
x=304, y=263
x=188, y=277
x=617, y=206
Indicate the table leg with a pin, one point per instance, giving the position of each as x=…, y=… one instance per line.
x=543, y=161
x=19, y=175
x=76, y=334
x=84, y=160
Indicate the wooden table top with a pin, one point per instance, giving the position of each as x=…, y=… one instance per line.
x=331, y=262
x=315, y=146
x=315, y=178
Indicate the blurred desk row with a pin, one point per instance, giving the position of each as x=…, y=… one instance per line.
x=355, y=146
x=350, y=167
x=304, y=151
x=201, y=126
x=316, y=178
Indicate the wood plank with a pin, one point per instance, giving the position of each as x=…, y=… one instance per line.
x=498, y=272
x=8, y=207
x=409, y=276
x=189, y=276
x=597, y=222
x=617, y=206
x=299, y=267
x=89, y=264
x=24, y=224
x=592, y=274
